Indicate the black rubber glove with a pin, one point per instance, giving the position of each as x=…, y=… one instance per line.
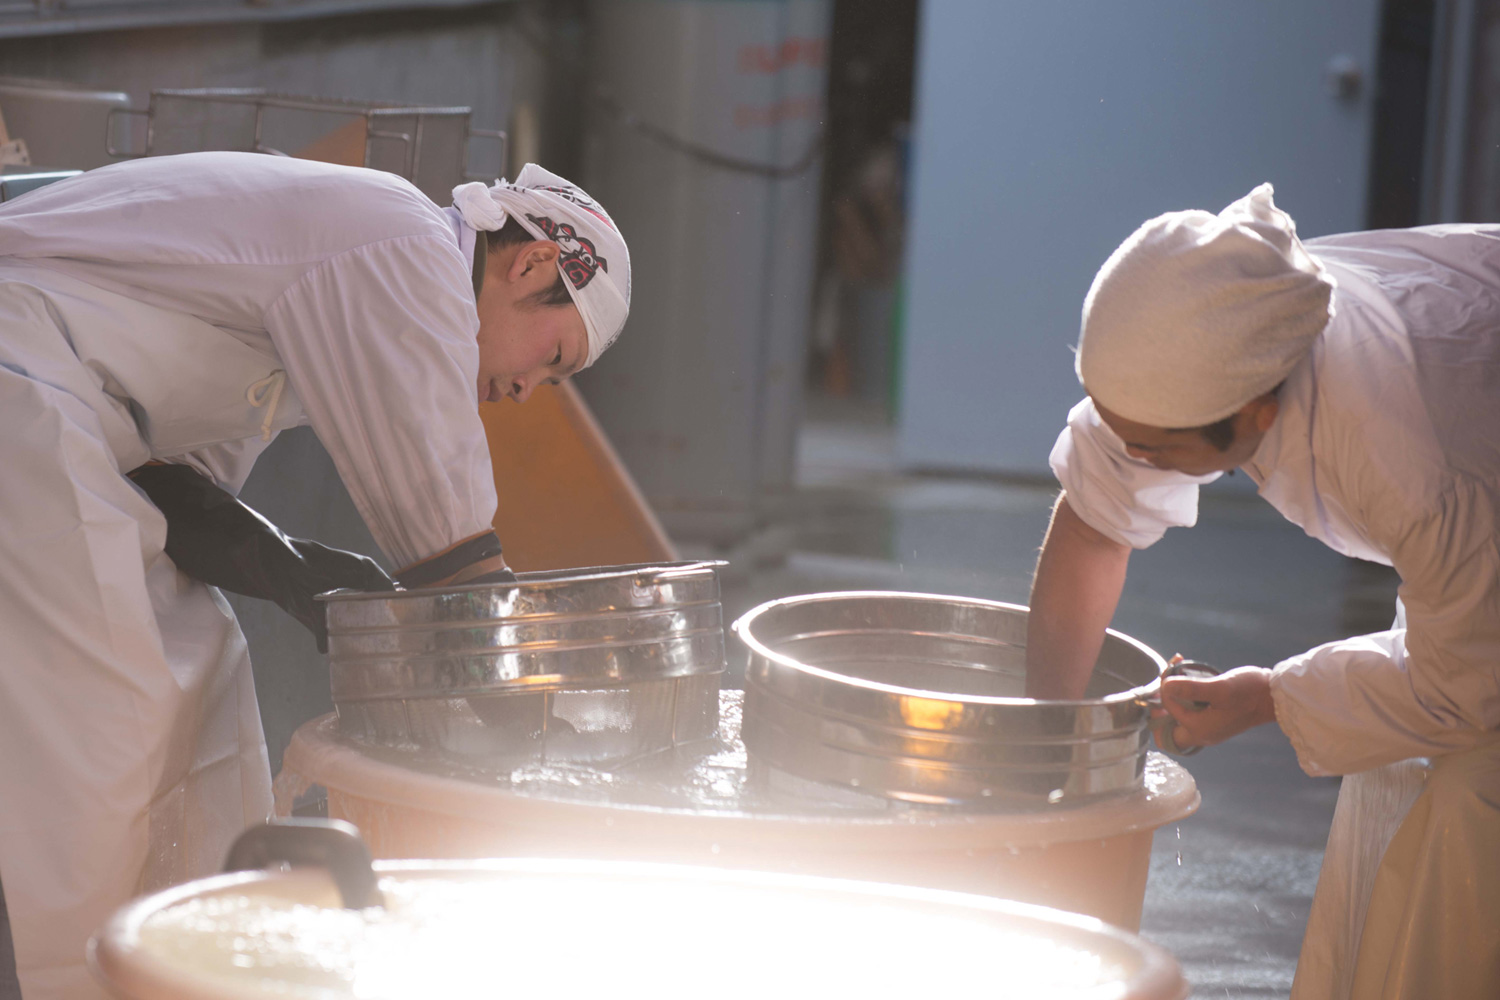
x=213, y=537
x=431, y=572
x=506, y=575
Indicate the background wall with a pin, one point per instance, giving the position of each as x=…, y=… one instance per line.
x=470, y=56
x=708, y=154
x=1045, y=133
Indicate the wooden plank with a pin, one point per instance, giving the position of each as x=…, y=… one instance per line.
x=344, y=145
x=566, y=499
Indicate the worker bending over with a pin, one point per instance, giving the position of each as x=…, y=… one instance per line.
x=161, y=321
x=1356, y=380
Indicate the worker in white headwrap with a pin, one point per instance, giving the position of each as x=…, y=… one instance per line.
x=161, y=321
x=1356, y=379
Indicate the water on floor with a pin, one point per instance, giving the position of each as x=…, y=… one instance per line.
x=1230, y=889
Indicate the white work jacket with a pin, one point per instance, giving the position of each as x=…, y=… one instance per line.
x=350, y=281
x=1386, y=448
x=186, y=309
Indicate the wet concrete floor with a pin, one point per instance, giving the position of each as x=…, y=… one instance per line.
x=1230, y=888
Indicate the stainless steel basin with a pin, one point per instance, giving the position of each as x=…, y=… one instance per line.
x=595, y=664
x=920, y=697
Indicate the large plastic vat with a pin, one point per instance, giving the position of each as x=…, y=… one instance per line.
x=1089, y=858
x=584, y=929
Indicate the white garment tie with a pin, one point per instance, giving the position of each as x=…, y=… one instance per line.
x=479, y=210
x=267, y=393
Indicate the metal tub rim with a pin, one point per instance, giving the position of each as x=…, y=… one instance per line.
x=533, y=578
x=524, y=618
x=533, y=684
x=743, y=625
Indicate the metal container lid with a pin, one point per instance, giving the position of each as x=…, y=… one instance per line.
x=581, y=928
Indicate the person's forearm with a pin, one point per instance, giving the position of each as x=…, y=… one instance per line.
x=1079, y=577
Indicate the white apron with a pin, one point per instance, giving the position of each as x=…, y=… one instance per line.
x=131, y=750
x=1401, y=911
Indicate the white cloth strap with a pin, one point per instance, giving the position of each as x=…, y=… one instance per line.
x=267, y=392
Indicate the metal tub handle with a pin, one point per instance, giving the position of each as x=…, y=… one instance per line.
x=323, y=843
x=1161, y=728
x=664, y=574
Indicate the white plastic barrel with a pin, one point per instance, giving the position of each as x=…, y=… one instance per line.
x=589, y=929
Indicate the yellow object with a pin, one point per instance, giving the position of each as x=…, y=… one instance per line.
x=931, y=713
x=566, y=499
x=344, y=145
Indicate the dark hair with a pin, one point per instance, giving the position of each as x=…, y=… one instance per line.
x=512, y=234
x=1220, y=433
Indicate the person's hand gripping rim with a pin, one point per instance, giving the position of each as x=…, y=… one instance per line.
x=1163, y=725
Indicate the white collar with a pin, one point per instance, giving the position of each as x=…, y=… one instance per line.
x=1289, y=438
x=463, y=234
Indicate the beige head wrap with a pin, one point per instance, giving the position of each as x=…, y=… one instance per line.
x=1197, y=314
x=595, y=263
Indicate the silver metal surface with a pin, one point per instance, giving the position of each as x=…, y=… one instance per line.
x=920, y=697
x=62, y=123
x=16, y=181
x=398, y=137
x=599, y=664
x=600, y=726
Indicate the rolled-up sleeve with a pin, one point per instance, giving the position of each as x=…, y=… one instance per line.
x=1429, y=689
x=379, y=344
x=1125, y=499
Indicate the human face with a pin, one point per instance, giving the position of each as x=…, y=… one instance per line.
x=1187, y=451
x=522, y=344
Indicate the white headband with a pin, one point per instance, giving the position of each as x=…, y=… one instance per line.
x=594, y=263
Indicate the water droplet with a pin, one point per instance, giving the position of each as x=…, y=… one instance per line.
x=1179, y=859
x=1055, y=796
x=854, y=782
x=1179, y=833
x=714, y=848
x=986, y=792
